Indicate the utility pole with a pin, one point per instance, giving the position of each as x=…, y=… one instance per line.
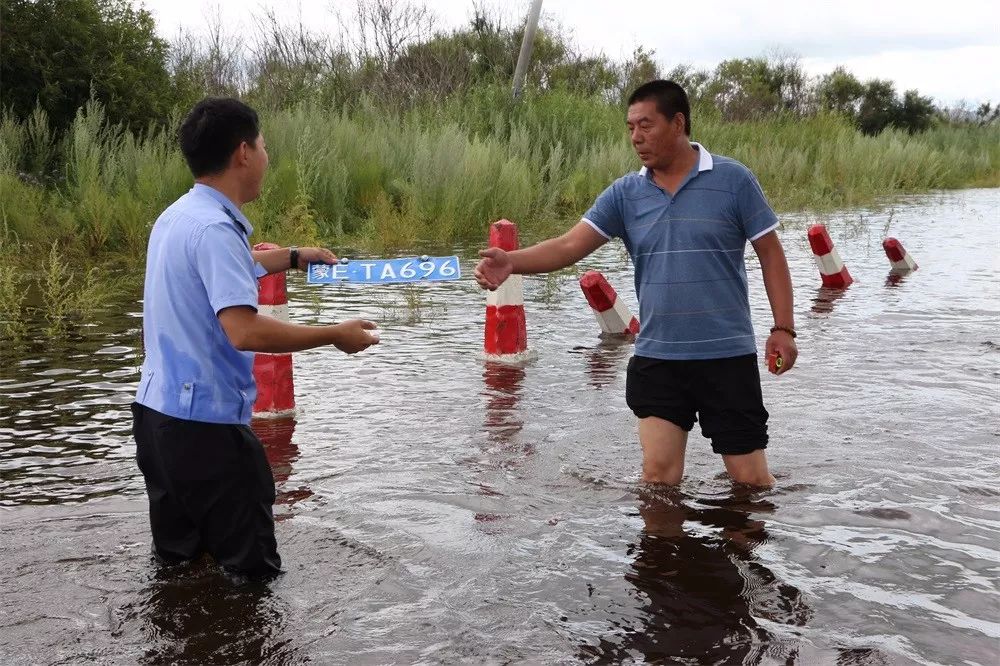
x=530, y=26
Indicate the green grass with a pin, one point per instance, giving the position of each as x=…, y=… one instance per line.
x=13, y=313
x=48, y=289
x=380, y=180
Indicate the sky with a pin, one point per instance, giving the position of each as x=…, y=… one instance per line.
x=948, y=51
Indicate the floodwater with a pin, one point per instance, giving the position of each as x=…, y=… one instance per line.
x=435, y=508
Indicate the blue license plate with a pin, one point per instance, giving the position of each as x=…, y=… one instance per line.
x=382, y=271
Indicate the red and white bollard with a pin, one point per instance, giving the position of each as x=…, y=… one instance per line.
x=506, y=335
x=273, y=372
x=612, y=314
x=900, y=259
x=831, y=269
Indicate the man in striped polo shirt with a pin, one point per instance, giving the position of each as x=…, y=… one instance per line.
x=685, y=218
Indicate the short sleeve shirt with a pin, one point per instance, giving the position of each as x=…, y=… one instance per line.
x=688, y=250
x=198, y=263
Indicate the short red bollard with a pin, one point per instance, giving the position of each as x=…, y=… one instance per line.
x=831, y=269
x=899, y=258
x=506, y=334
x=612, y=314
x=273, y=372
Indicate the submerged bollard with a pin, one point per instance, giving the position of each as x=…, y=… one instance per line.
x=831, y=269
x=612, y=314
x=273, y=372
x=506, y=334
x=899, y=258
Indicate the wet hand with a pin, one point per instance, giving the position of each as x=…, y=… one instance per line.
x=315, y=255
x=494, y=267
x=782, y=344
x=356, y=335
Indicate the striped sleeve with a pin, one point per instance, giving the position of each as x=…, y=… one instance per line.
x=605, y=216
x=755, y=213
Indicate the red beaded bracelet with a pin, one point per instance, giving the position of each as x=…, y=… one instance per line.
x=790, y=331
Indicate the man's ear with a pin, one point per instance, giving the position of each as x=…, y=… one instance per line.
x=240, y=156
x=678, y=122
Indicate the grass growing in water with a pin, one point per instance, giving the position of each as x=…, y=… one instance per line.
x=13, y=292
x=67, y=298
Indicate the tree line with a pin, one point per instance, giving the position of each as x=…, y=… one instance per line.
x=57, y=54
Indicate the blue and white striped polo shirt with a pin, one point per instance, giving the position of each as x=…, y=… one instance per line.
x=688, y=251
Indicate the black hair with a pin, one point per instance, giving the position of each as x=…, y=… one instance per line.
x=214, y=128
x=670, y=99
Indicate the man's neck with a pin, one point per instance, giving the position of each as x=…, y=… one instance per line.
x=683, y=161
x=224, y=185
x=672, y=174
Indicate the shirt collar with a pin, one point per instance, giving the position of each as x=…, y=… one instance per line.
x=228, y=207
x=705, y=162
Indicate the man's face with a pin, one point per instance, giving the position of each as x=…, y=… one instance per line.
x=256, y=162
x=653, y=135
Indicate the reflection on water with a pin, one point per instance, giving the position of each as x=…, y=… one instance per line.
x=704, y=593
x=276, y=436
x=896, y=278
x=826, y=298
x=503, y=392
x=192, y=614
x=502, y=424
x=604, y=360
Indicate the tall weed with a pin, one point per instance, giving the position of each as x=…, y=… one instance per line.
x=13, y=292
x=69, y=298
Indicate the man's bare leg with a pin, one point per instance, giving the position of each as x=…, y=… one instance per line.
x=749, y=468
x=663, y=447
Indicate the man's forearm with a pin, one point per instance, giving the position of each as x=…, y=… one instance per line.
x=556, y=253
x=778, y=284
x=544, y=257
x=261, y=333
x=273, y=261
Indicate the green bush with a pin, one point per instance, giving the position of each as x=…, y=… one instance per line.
x=57, y=54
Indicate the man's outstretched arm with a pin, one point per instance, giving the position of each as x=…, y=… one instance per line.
x=497, y=265
x=249, y=331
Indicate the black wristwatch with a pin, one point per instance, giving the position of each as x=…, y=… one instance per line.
x=293, y=258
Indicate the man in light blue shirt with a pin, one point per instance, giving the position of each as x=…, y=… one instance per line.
x=209, y=484
x=199, y=263
x=685, y=219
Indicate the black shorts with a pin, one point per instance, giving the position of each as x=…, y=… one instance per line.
x=723, y=393
x=210, y=491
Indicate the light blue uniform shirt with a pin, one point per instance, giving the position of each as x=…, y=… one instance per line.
x=688, y=251
x=198, y=262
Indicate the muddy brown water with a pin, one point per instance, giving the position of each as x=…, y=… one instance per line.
x=435, y=508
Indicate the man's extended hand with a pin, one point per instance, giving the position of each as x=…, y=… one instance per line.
x=494, y=267
x=783, y=344
x=356, y=335
x=315, y=255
